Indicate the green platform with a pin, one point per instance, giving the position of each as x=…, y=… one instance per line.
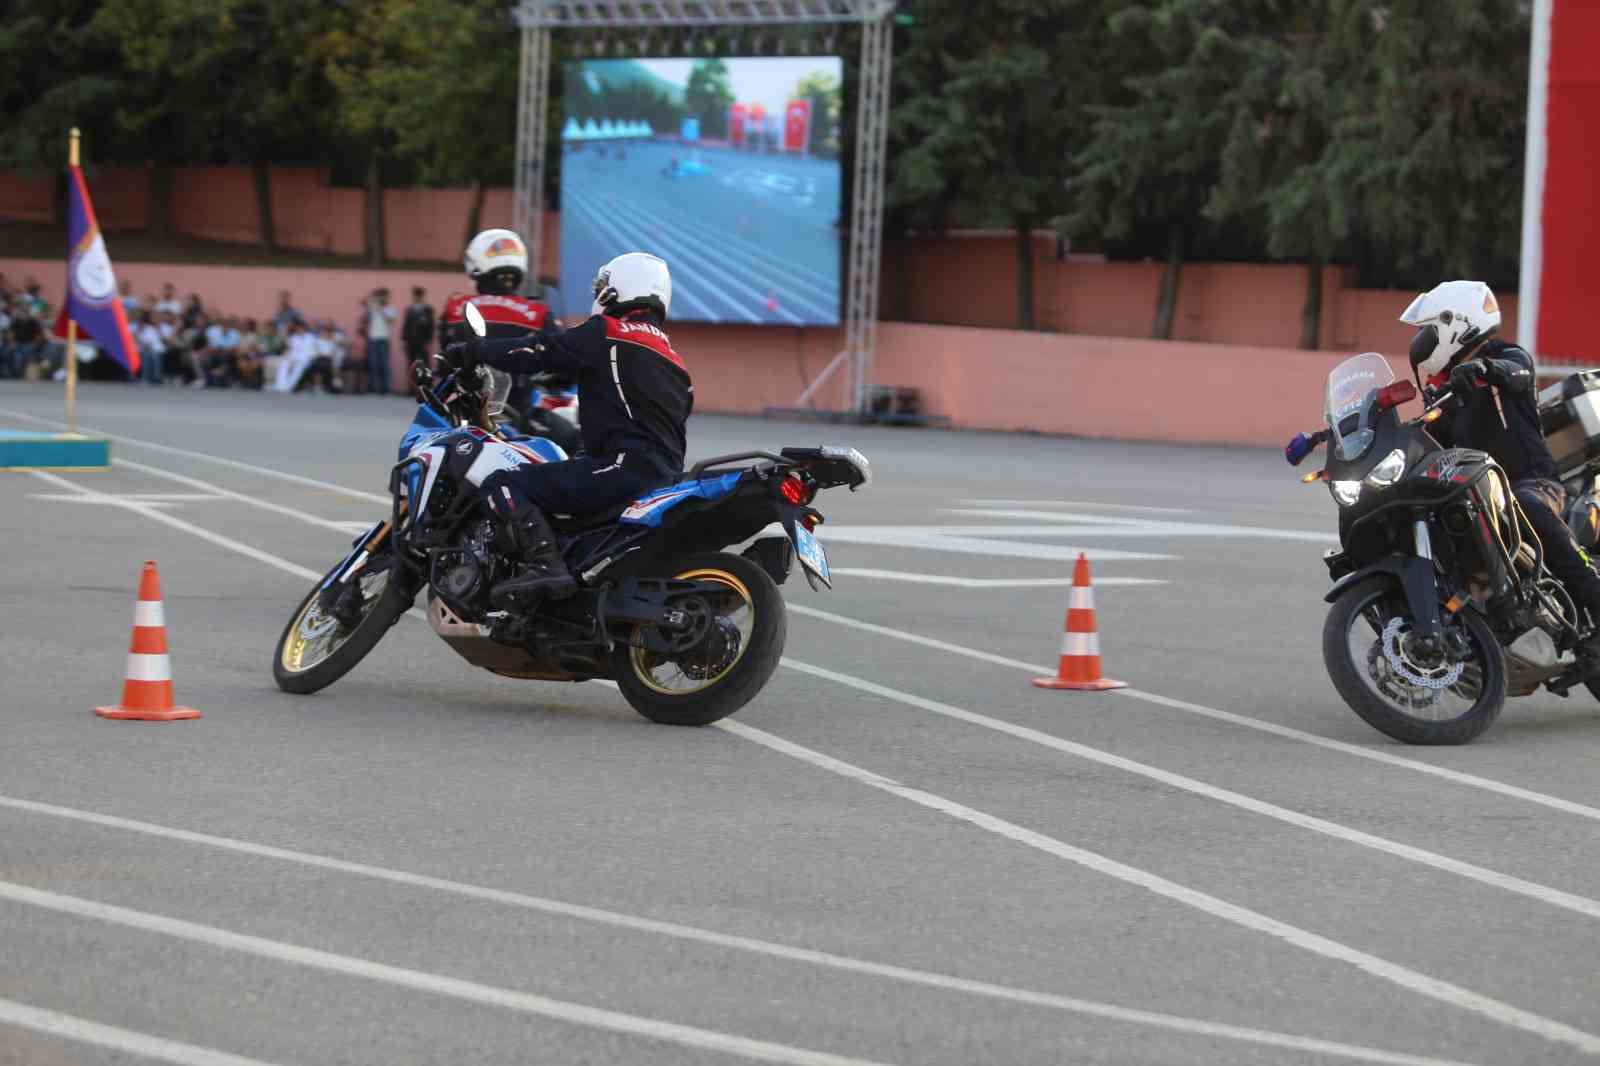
x=26, y=450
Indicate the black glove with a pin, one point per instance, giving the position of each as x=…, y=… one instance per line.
x=1467, y=375
x=462, y=356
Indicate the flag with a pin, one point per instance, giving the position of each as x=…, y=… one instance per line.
x=92, y=300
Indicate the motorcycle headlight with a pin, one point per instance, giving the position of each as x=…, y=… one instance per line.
x=1388, y=472
x=1346, y=492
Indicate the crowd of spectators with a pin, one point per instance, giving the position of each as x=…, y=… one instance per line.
x=183, y=342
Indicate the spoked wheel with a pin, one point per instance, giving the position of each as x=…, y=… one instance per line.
x=1413, y=694
x=324, y=641
x=739, y=637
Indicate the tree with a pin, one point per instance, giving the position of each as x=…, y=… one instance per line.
x=990, y=112
x=1434, y=134
x=822, y=88
x=708, y=95
x=1153, y=154
x=1295, y=87
x=221, y=81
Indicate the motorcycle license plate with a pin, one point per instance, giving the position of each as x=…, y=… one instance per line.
x=812, y=557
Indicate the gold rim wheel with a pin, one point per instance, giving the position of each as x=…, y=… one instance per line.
x=316, y=634
x=668, y=676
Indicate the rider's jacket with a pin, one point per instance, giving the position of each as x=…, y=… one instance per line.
x=507, y=315
x=1500, y=415
x=635, y=390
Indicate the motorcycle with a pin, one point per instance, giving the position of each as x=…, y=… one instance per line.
x=689, y=631
x=1442, y=605
x=550, y=410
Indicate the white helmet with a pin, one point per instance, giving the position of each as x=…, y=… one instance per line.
x=1450, y=316
x=496, y=250
x=633, y=280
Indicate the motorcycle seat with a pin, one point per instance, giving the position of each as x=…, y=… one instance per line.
x=609, y=515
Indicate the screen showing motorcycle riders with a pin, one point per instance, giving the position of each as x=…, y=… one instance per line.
x=727, y=168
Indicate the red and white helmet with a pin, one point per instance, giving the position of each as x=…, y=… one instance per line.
x=495, y=251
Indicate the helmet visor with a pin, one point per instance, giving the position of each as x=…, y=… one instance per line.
x=1423, y=345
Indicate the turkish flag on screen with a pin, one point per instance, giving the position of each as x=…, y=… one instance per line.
x=797, y=126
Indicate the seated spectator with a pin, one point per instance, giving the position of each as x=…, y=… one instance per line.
x=247, y=358
x=34, y=301
x=193, y=341
x=327, y=355
x=193, y=311
x=286, y=314
x=172, y=357
x=5, y=330
x=222, y=350
x=300, y=350
x=28, y=345
x=152, y=348
x=131, y=304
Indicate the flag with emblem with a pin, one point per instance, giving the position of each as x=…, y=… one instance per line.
x=92, y=300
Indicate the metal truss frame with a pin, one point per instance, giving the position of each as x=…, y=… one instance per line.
x=539, y=19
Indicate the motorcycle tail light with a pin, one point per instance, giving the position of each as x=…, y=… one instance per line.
x=794, y=490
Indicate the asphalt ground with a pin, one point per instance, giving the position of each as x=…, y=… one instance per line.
x=751, y=238
x=900, y=852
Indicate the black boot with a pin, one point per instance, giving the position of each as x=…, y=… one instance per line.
x=545, y=576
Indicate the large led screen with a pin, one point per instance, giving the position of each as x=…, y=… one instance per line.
x=726, y=168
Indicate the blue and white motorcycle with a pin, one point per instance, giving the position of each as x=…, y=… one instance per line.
x=688, y=630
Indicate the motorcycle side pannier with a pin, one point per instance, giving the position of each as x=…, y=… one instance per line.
x=1569, y=411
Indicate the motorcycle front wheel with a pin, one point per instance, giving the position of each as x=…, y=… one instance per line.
x=1416, y=700
x=747, y=627
x=319, y=647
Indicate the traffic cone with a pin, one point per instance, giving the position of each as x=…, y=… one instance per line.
x=147, y=689
x=1080, y=644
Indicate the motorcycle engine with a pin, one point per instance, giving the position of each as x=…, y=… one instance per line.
x=463, y=573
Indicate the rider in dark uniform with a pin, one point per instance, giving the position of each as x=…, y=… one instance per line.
x=636, y=395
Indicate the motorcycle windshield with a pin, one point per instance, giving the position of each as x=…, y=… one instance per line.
x=1346, y=401
x=498, y=389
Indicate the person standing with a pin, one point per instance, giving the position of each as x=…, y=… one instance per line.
x=377, y=323
x=416, y=329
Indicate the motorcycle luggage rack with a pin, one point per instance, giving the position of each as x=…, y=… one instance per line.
x=703, y=465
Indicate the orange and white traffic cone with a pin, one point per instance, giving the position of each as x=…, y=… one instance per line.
x=147, y=689
x=1080, y=644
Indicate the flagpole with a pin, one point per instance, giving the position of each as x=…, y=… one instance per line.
x=72, y=324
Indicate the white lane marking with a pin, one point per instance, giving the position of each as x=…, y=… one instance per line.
x=984, y=582
x=1101, y=525
x=770, y=948
x=177, y=523
x=1415, y=981
x=154, y=499
x=1086, y=644
x=981, y=540
x=438, y=984
x=1076, y=503
x=218, y=492
x=1287, y=732
x=68, y=1027
x=204, y=457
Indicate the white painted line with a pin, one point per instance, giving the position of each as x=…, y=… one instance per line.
x=1372, y=754
x=984, y=540
x=132, y=497
x=1413, y=980
x=1076, y=503
x=1100, y=525
x=773, y=949
x=438, y=984
x=177, y=523
x=54, y=1023
x=984, y=582
x=1086, y=644
x=219, y=492
x=204, y=457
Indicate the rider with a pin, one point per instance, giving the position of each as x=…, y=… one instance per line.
x=497, y=261
x=636, y=396
x=1496, y=411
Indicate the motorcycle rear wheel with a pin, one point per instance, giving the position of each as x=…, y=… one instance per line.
x=700, y=689
x=316, y=649
x=1359, y=685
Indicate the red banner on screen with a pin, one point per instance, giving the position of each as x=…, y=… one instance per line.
x=736, y=120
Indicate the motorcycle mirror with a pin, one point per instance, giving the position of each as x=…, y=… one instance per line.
x=475, y=320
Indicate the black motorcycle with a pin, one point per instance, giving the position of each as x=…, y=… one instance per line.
x=1442, y=605
x=688, y=630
